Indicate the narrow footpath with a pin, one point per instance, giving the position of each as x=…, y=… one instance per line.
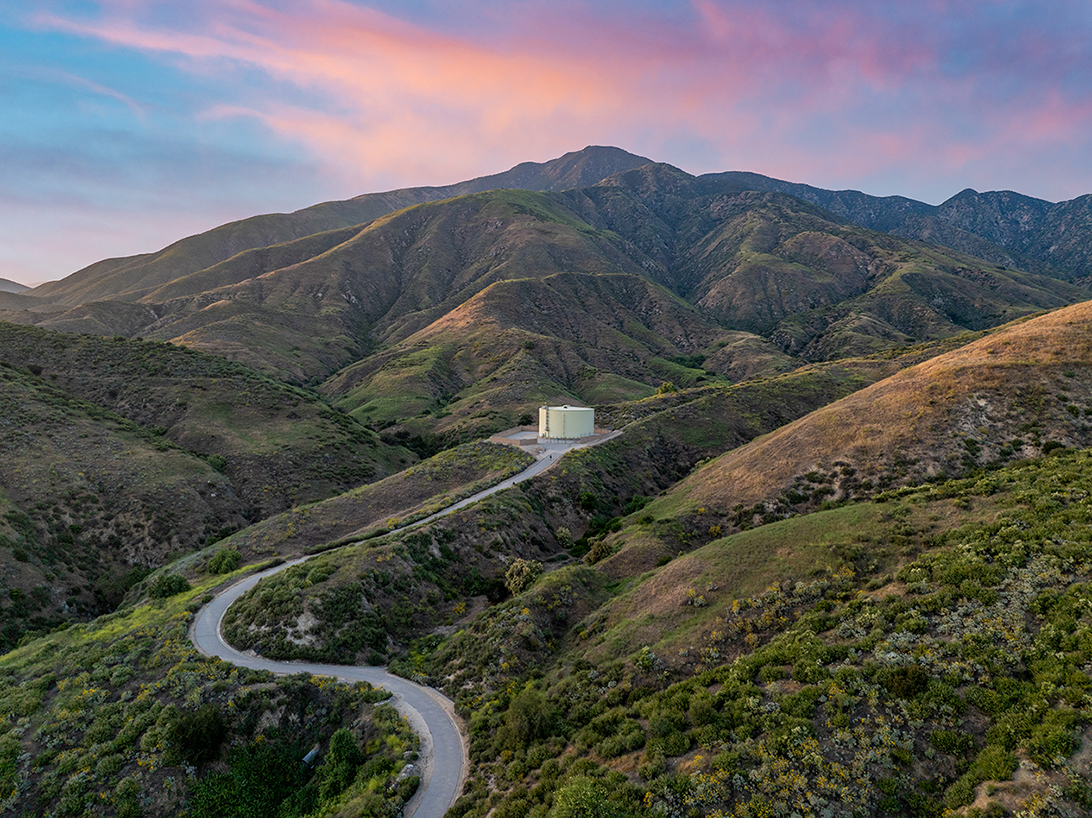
x=444, y=752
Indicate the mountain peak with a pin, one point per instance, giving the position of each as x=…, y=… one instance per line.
x=575, y=169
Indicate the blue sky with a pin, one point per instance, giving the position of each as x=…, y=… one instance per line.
x=130, y=124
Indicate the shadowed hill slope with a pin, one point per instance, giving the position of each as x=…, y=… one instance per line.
x=86, y=496
x=1002, y=227
x=767, y=264
x=394, y=312
x=820, y=287
x=521, y=343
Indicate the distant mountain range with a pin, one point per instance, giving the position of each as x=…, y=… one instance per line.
x=7, y=286
x=843, y=534
x=576, y=279
x=433, y=316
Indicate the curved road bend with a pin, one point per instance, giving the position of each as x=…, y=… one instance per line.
x=443, y=755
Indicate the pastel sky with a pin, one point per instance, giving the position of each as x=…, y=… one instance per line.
x=128, y=124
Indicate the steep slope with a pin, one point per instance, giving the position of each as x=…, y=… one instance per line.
x=86, y=496
x=812, y=286
x=130, y=278
x=7, y=286
x=384, y=282
x=1055, y=234
x=521, y=343
x=1024, y=389
x=760, y=262
x=1001, y=227
x=124, y=717
x=762, y=672
x=819, y=287
x=278, y=445
x=470, y=550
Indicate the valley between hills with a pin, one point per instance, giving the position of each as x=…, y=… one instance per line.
x=837, y=562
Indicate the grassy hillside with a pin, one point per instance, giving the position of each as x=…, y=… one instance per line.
x=91, y=502
x=378, y=285
x=1017, y=392
x=279, y=445
x=412, y=494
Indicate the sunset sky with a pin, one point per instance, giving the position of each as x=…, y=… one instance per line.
x=128, y=124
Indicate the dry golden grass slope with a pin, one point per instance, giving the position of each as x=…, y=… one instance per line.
x=1010, y=394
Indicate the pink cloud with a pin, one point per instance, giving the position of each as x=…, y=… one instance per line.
x=784, y=84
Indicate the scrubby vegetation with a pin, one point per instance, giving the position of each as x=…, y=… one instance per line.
x=123, y=717
x=838, y=564
x=916, y=692
x=279, y=444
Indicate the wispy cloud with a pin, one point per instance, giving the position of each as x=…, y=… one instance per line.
x=919, y=98
x=401, y=101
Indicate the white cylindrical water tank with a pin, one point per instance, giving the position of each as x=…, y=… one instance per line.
x=566, y=422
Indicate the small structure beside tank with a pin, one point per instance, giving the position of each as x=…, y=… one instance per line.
x=565, y=422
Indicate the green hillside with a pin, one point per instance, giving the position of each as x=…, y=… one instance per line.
x=836, y=563
x=927, y=655
x=91, y=502
x=124, y=717
x=278, y=444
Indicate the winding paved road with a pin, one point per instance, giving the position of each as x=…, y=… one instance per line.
x=443, y=756
x=443, y=753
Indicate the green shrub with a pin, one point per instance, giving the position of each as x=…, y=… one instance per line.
x=599, y=550
x=529, y=718
x=1054, y=738
x=583, y=797
x=905, y=682
x=992, y=764
x=167, y=585
x=197, y=735
x=259, y=779
x=951, y=742
x=127, y=799
x=522, y=574
x=224, y=561
x=339, y=768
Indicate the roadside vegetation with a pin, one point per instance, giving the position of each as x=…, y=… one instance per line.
x=915, y=670
x=839, y=563
x=124, y=717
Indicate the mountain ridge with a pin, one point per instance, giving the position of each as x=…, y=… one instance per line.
x=147, y=271
x=837, y=560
